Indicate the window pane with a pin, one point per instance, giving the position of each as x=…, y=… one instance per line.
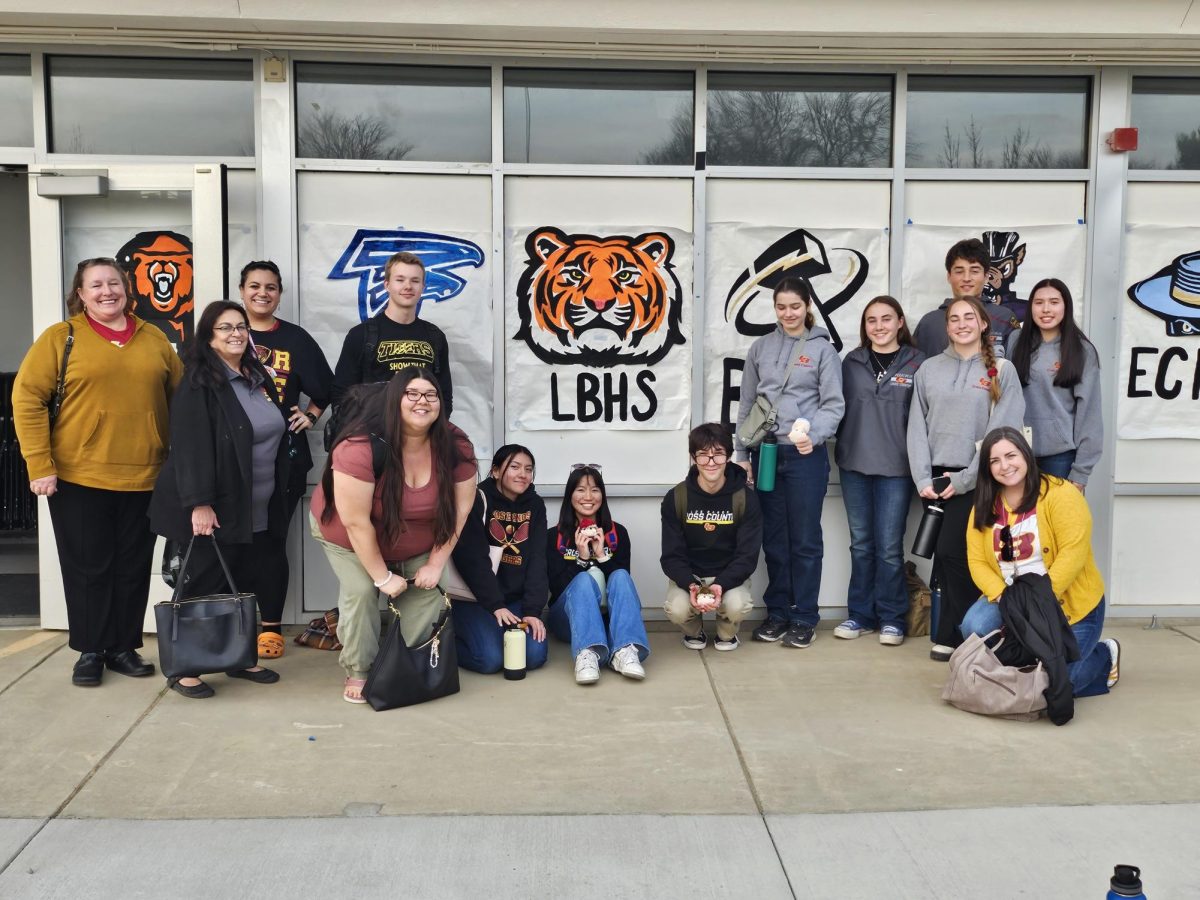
x=1166, y=113
x=180, y=107
x=16, y=103
x=393, y=112
x=601, y=117
x=987, y=122
x=799, y=120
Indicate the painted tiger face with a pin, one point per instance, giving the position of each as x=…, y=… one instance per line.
x=599, y=301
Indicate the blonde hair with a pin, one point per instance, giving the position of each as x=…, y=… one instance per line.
x=986, y=350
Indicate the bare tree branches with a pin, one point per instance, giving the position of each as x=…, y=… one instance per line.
x=326, y=134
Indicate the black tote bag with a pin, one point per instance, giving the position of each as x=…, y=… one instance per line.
x=214, y=633
x=404, y=676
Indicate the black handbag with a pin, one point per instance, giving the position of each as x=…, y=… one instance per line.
x=215, y=633
x=405, y=676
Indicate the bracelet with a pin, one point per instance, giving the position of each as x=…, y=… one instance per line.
x=380, y=584
x=311, y=417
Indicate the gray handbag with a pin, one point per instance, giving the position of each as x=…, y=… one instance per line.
x=980, y=683
x=761, y=417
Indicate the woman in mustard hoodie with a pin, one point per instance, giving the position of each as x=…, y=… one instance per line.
x=1025, y=521
x=97, y=461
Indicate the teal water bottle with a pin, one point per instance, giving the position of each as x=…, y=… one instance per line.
x=1126, y=884
x=768, y=453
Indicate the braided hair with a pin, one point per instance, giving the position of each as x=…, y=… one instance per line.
x=986, y=350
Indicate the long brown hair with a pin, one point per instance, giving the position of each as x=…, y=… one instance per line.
x=987, y=489
x=904, y=336
x=801, y=288
x=74, y=304
x=986, y=350
x=1072, y=342
x=379, y=422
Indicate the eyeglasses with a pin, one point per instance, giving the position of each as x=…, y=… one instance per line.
x=577, y=466
x=428, y=396
x=710, y=458
x=1006, y=544
x=230, y=329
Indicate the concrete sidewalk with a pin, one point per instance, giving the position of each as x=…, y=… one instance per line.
x=830, y=772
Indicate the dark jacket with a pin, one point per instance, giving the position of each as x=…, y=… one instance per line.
x=208, y=464
x=1036, y=629
x=872, y=438
x=515, y=531
x=711, y=543
x=561, y=558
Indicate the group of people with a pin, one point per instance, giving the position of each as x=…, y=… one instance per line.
x=211, y=447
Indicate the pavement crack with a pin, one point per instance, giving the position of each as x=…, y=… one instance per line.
x=16, y=680
x=737, y=748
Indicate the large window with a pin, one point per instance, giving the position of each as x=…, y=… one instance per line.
x=1166, y=113
x=16, y=109
x=990, y=122
x=598, y=116
x=179, y=107
x=799, y=120
x=393, y=112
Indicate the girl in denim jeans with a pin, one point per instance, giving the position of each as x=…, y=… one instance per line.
x=587, y=556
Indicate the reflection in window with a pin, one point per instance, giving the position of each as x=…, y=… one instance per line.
x=16, y=102
x=988, y=122
x=180, y=107
x=393, y=112
x=598, y=117
x=799, y=120
x=1166, y=113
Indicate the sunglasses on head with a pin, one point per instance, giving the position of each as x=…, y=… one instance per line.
x=1006, y=544
x=575, y=467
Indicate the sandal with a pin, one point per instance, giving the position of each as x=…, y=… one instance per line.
x=270, y=645
x=353, y=690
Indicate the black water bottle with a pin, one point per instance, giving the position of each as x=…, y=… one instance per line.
x=927, y=532
x=1126, y=884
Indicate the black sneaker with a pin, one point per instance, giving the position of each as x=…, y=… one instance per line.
x=697, y=642
x=771, y=630
x=799, y=636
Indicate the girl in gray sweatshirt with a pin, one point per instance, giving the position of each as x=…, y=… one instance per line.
x=1060, y=371
x=960, y=396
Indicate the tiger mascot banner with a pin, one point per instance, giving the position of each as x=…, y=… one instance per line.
x=599, y=326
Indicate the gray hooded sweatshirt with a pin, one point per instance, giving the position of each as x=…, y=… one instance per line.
x=1064, y=418
x=952, y=409
x=813, y=392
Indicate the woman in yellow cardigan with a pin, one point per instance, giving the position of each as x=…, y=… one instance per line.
x=96, y=463
x=1024, y=522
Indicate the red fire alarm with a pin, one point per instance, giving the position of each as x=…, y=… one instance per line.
x=1122, y=140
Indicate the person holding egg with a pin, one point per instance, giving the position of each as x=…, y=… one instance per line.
x=798, y=371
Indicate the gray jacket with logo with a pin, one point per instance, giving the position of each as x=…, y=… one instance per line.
x=872, y=438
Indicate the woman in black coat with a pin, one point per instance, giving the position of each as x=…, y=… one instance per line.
x=226, y=474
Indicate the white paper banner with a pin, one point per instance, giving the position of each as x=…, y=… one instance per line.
x=1159, y=376
x=1021, y=257
x=598, y=328
x=341, y=270
x=846, y=268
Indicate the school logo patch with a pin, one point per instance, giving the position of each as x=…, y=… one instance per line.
x=371, y=248
x=159, y=265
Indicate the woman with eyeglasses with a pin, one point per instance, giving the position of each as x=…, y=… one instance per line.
x=871, y=453
x=392, y=501
x=594, y=605
x=299, y=367
x=1024, y=521
x=1060, y=372
x=958, y=397
x=95, y=459
x=225, y=478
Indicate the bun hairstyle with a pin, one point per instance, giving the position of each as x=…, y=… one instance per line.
x=800, y=287
x=986, y=350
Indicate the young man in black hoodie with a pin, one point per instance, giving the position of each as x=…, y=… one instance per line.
x=711, y=536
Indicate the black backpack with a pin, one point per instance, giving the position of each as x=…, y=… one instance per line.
x=336, y=420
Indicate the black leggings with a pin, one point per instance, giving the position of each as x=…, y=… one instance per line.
x=950, y=566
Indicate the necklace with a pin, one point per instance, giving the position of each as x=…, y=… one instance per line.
x=880, y=365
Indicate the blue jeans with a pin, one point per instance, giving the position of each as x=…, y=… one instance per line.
x=1089, y=676
x=575, y=618
x=877, y=512
x=1057, y=464
x=480, y=639
x=792, y=539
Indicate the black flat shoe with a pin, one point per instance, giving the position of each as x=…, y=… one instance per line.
x=89, y=669
x=199, y=691
x=127, y=662
x=262, y=676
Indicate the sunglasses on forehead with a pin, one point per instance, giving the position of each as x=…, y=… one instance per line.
x=575, y=467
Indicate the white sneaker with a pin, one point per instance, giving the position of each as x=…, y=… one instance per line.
x=587, y=667
x=627, y=663
x=1114, y=655
x=940, y=653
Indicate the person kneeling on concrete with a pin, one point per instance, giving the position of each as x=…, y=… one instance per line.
x=711, y=535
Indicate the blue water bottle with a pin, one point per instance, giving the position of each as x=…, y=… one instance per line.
x=768, y=452
x=1126, y=884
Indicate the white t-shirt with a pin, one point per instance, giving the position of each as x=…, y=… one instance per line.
x=1026, y=544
